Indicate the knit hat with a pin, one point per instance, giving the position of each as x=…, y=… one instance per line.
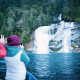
x=13, y=40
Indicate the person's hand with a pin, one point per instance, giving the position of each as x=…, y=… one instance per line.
x=22, y=46
x=2, y=39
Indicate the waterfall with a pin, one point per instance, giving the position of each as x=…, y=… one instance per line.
x=66, y=40
x=56, y=37
x=46, y=33
x=42, y=40
x=59, y=17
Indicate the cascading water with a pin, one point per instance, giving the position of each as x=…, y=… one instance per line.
x=66, y=38
x=44, y=34
x=42, y=40
x=59, y=17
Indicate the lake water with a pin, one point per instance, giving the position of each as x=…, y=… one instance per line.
x=54, y=66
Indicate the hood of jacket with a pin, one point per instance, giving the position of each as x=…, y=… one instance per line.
x=12, y=50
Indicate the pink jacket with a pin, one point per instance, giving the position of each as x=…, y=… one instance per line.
x=2, y=51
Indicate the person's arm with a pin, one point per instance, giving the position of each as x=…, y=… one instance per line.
x=25, y=58
x=2, y=51
x=2, y=48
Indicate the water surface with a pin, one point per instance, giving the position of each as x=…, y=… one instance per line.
x=57, y=66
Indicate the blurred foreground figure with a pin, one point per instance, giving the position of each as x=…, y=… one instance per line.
x=16, y=60
x=2, y=48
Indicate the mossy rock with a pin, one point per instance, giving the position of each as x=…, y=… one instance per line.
x=74, y=46
x=77, y=19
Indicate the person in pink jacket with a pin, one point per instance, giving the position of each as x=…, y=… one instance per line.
x=2, y=47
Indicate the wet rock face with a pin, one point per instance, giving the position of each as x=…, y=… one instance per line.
x=71, y=41
x=75, y=42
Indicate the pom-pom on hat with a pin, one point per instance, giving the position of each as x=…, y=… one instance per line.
x=13, y=40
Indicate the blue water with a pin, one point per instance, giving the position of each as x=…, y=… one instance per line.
x=57, y=66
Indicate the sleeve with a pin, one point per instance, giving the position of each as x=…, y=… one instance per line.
x=2, y=51
x=25, y=58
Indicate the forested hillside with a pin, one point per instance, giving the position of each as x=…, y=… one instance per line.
x=22, y=17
